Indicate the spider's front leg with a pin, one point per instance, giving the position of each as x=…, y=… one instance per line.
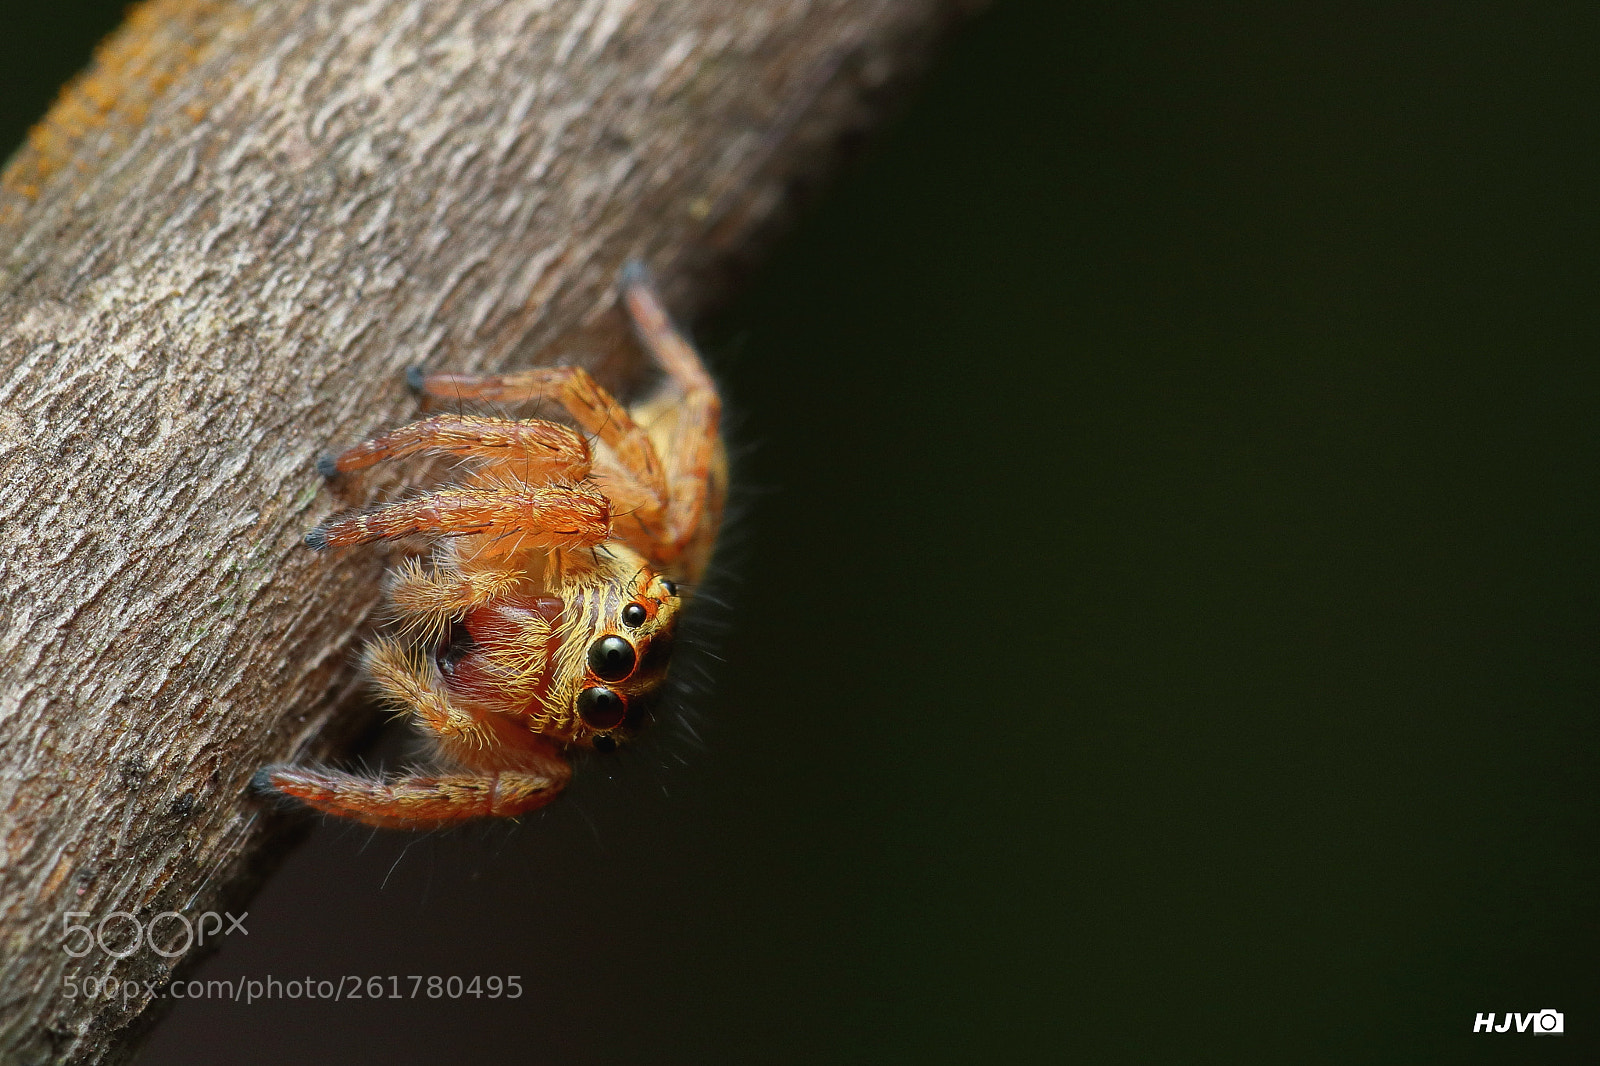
x=414, y=802
x=507, y=770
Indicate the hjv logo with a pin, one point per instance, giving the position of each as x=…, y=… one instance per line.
x=1546, y=1022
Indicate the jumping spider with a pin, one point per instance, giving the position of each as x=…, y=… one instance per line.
x=546, y=619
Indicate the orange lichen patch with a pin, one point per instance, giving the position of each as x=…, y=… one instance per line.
x=131, y=69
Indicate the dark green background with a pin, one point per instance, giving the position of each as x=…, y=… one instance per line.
x=1164, y=601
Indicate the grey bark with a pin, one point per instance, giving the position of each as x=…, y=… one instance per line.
x=218, y=255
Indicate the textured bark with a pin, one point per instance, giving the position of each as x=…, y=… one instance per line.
x=218, y=254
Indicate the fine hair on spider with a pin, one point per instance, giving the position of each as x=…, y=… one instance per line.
x=544, y=622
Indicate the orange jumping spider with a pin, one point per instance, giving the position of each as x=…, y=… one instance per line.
x=545, y=622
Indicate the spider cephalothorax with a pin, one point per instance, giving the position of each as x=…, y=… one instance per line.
x=583, y=661
x=545, y=620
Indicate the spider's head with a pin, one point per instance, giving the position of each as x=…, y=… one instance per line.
x=582, y=667
x=627, y=628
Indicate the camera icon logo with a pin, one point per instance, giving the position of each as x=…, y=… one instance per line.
x=1548, y=1022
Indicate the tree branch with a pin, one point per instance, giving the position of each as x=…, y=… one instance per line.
x=222, y=248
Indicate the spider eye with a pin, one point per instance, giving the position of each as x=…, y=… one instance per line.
x=612, y=658
x=604, y=742
x=600, y=708
x=671, y=587
x=634, y=615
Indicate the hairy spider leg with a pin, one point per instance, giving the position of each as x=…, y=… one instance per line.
x=415, y=802
x=689, y=410
x=562, y=517
x=536, y=490
x=426, y=600
x=543, y=452
x=521, y=456
x=669, y=501
x=509, y=769
x=635, y=481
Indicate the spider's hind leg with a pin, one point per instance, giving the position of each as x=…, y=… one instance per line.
x=691, y=408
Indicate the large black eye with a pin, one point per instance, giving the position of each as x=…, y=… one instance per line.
x=604, y=742
x=671, y=587
x=600, y=708
x=634, y=615
x=612, y=658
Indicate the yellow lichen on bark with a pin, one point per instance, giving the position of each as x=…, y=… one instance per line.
x=131, y=69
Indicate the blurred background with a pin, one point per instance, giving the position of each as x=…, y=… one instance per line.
x=1161, y=599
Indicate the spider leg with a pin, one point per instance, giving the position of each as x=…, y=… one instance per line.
x=670, y=501
x=690, y=411
x=426, y=600
x=549, y=516
x=635, y=481
x=540, y=451
x=406, y=684
x=413, y=802
x=508, y=770
x=671, y=349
